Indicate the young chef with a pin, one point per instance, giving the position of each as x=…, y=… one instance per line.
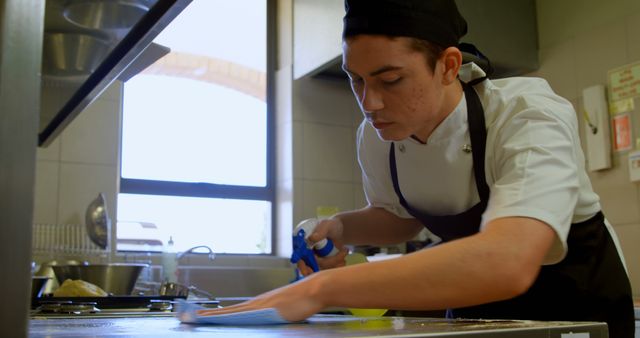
x=493, y=168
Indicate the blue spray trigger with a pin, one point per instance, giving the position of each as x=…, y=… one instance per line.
x=302, y=251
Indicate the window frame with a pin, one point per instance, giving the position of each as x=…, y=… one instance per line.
x=211, y=190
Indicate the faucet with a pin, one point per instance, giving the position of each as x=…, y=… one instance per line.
x=211, y=255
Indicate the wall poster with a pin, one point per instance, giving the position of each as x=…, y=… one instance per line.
x=622, y=132
x=624, y=82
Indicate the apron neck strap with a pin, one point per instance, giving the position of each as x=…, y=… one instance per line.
x=478, y=135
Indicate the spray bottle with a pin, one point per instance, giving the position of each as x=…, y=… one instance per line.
x=303, y=250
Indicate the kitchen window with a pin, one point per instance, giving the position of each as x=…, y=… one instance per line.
x=197, y=136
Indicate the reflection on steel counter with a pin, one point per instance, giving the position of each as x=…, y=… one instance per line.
x=317, y=326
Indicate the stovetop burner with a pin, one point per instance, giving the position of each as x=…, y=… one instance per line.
x=111, y=306
x=160, y=305
x=67, y=307
x=109, y=302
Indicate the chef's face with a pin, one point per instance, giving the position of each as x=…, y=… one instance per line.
x=398, y=92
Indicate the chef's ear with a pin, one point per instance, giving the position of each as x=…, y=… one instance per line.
x=451, y=59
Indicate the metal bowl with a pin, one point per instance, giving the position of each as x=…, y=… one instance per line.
x=101, y=14
x=97, y=221
x=117, y=279
x=72, y=54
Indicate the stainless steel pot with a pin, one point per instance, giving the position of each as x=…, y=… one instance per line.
x=114, y=278
x=46, y=270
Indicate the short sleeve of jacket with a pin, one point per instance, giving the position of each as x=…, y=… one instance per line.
x=532, y=159
x=373, y=157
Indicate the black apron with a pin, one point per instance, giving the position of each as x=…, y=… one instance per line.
x=589, y=284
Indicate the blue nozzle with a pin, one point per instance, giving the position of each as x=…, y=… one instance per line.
x=301, y=251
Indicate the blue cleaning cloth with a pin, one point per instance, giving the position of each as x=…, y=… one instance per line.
x=188, y=313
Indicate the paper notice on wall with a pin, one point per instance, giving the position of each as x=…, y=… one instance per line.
x=622, y=132
x=634, y=166
x=621, y=106
x=624, y=82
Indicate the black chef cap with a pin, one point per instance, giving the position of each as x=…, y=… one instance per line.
x=436, y=21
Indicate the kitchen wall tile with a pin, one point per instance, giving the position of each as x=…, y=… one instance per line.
x=49, y=153
x=234, y=282
x=79, y=185
x=633, y=36
x=552, y=22
x=93, y=136
x=113, y=92
x=557, y=66
x=598, y=51
x=357, y=117
x=323, y=101
x=326, y=193
x=328, y=152
x=298, y=149
x=629, y=236
x=620, y=203
x=46, y=192
x=631, y=7
x=561, y=20
x=578, y=105
x=269, y=262
x=616, y=175
x=284, y=152
x=359, y=199
x=357, y=171
x=53, y=98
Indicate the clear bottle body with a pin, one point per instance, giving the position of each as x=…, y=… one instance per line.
x=169, y=263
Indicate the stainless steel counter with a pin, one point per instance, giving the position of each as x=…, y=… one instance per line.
x=316, y=326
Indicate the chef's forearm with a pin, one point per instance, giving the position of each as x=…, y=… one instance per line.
x=376, y=226
x=500, y=264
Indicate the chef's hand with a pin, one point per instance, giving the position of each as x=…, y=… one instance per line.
x=328, y=228
x=294, y=302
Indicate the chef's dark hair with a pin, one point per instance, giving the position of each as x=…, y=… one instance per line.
x=431, y=25
x=436, y=21
x=430, y=50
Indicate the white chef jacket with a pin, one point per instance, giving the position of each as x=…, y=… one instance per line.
x=534, y=164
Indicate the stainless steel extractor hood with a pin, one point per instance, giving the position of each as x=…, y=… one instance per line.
x=87, y=44
x=503, y=30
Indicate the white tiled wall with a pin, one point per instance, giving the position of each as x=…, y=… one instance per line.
x=325, y=168
x=80, y=163
x=580, y=40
